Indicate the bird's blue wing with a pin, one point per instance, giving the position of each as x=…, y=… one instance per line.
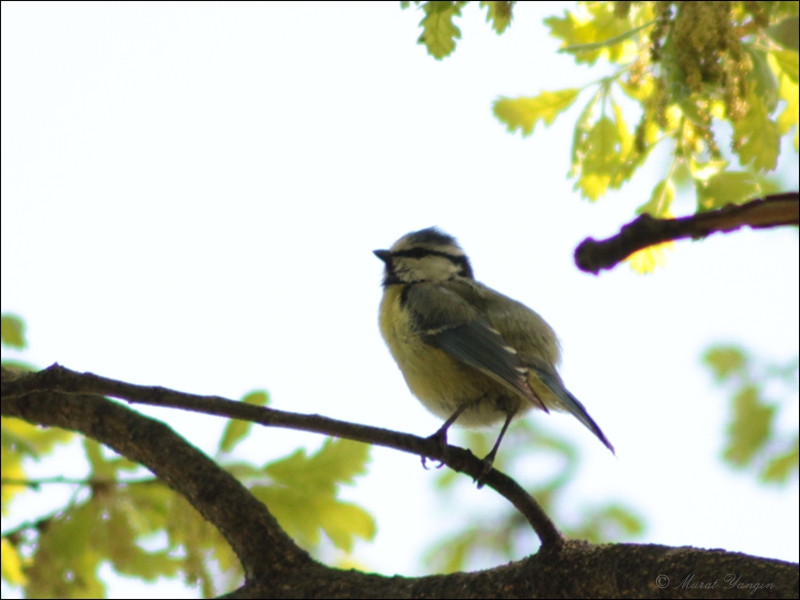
x=456, y=328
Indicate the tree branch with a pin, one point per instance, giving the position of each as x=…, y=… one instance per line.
x=255, y=536
x=59, y=379
x=276, y=568
x=771, y=211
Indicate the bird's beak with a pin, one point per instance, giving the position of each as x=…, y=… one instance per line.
x=384, y=255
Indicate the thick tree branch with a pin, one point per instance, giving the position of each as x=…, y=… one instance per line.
x=276, y=568
x=771, y=211
x=255, y=536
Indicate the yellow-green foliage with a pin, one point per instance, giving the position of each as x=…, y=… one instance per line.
x=755, y=438
x=688, y=66
x=12, y=332
x=302, y=494
x=121, y=515
x=116, y=517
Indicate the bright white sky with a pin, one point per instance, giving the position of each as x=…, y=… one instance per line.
x=191, y=194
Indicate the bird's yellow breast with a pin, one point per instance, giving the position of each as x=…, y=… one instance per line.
x=441, y=382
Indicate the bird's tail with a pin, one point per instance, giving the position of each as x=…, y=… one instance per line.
x=571, y=404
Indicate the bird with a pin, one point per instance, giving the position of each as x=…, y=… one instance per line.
x=470, y=354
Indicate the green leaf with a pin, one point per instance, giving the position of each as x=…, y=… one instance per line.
x=602, y=145
x=125, y=514
x=306, y=515
x=12, y=331
x=524, y=112
x=11, y=564
x=753, y=440
x=703, y=171
x=649, y=259
x=639, y=89
x=593, y=32
x=101, y=467
x=728, y=187
x=338, y=461
x=236, y=430
x=751, y=425
x=197, y=538
x=629, y=158
x=609, y=522
x=567, y=29
x=303, y=497
x=788, y=119
x=499, y=13
x=23, y=439
x=725, y=361
x=583, y=127
x=785, y=33
x=787, y=62
x=624, y=134
x=148, y=566
x=660, y=200
x=65, y=564
x=782, y=466
x=343, y=459
x=762, y=78
x=601, y=159
x=244, y=471
x=296, y=510
x=342, y=522
x=756, y=136
x=439, y=34
x=150, y=508
x=20, y=440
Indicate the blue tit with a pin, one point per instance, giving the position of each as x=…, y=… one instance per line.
x=470, y=354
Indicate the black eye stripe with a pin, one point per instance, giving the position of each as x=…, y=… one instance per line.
x=423, y=252
x=465, y=269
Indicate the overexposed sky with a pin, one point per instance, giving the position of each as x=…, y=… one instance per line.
x=191, y=193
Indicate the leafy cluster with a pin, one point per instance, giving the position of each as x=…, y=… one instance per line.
x=119, y=514
x=755, y=441
x=686, y=66
x=439, y=32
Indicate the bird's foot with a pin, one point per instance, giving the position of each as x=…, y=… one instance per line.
x=441, y=437
x=488, y=463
